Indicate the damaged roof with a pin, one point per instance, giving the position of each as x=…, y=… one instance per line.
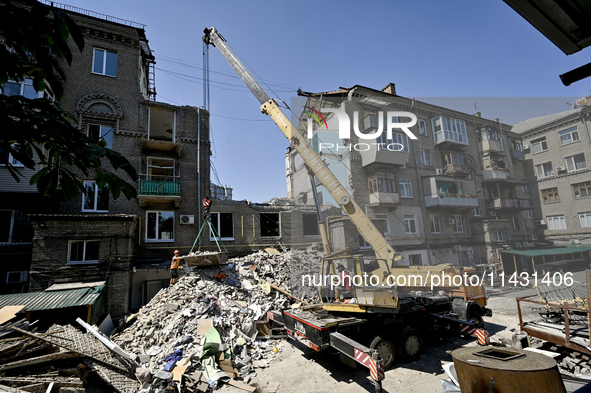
x=51, y=300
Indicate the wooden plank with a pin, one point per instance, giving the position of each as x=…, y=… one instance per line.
x=241, y=385
x=9, y=312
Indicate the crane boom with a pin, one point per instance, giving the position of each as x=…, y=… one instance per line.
x=384, y=252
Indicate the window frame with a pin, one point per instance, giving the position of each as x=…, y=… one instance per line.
x=261, y=225
x=541, y=142
x=100, y=131
x=585, y=216
x=10, y=158
x=500, y=236
x=410, y=259
x=571, y=159
x=458, y=220
x=550, y=195
x=96, y=197
x=408, y=218
x=550, y=173
x=84, y=261
x=104, y=65
x=422, y=125
x=516, y=223
x=407, y=187
x=569, y=131
x=581, y=187
x=551, y=222
x=11, y=227
x=156, y=230
x=384, y=217
x=218, y=215
x=434, y=223
x=22, y=273
x=381, y=179
x=425, y=157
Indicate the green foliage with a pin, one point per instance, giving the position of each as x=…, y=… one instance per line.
x=35, y=40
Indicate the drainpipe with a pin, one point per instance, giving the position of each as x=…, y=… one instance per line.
x=422, y=199
x=198, y=168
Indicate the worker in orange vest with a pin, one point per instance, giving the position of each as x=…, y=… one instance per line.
x=174, y=267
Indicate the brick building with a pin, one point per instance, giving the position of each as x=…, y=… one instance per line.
x=557, y=152
x=457, y=194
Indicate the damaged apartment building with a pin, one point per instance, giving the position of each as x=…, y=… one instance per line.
x=125, y=244
x=457, y=194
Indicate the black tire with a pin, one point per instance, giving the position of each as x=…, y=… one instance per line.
x=385, y=348
x=476, y=319
x=410, y=344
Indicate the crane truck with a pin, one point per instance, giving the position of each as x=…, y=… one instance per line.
x=377, y=323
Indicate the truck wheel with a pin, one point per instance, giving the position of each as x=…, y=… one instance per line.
x=409, y=346
x=476, y=319
x=385, y=350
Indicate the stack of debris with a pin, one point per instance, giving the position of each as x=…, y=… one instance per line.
x=209, y=327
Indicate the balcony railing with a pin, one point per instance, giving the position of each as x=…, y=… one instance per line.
x=456, y=170
x=384, y=199
x=507, y=203
x=518, y=155
x=490, y=145
x=159, y=185
x=494, y=174
x=457, y=201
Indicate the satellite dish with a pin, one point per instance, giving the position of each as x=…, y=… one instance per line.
x=581, y=101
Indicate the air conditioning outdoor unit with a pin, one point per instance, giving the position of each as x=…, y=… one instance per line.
x=451, y=221
x=438, y=171
x=575, y=241
x=525, y=147
x=540, y=222
x=187, y=219
x=560, y=169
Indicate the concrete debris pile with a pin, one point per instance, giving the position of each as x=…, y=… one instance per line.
x=210, y=327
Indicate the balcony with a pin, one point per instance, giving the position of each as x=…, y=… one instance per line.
x=508, y=203
x=160, y=145
x=491, y=174
x=451, y=201
x=518, y=155
x=381, y=156
x=384, y=199
x=490, y=145
x=155, y=189
x=456, y=170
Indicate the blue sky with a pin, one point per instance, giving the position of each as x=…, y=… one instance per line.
x=428, y=48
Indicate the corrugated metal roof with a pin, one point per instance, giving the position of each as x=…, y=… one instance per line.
x=51, y=300
x=550, y=251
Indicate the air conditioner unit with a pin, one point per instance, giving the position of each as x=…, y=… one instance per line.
x=451, y=221
x=492, y=213
x=438, y=171
x=540, y=222
x=575, y=241
x=187, y=219
x=525, y=147
x=560, y=169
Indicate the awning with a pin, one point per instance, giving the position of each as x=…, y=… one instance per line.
x=51, y=300
x=550, y=251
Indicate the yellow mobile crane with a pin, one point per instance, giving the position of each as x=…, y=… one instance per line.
x=391, y=325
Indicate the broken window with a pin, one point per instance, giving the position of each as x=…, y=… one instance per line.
x=270, y=225
x=415, y=259
x=160, y=168
x=310, y=222
x=223, y=223
x=160, y=226
x=162, y=125
x=98, y=132
x=83, y=251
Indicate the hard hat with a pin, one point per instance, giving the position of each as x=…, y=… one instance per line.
x=176, y=251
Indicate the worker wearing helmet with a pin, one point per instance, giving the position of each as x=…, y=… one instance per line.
x=174, y=267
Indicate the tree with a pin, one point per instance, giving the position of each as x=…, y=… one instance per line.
x=35, y=41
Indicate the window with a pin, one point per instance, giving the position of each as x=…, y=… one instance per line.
x=310, y=224
x=556, y=222
x=160, y=168
x=500, y=236
x=98, y=132
x=160, y=226
x=399, y=142
x=423, y=127
x=16, y=277
x=15, y=227
x=530, y=213
x=270, y=225
x=425, y=158
x=96, y=198
x=582, y=190
x=544, y=170
x=162, y=127
x=7, y=158
x=384, y=217
x=576, y=162
x=382, y=182
x=534, y=235
x=568, y=136
x=524, y=185
x=518, y=244
x=477, y=212
x=415, y=259
x=539, y=145
x=104, y=62
x=434, y=225
x=458, y=225
x=24, y=88
x=83, y=251
x=550, y=195
x=448, y=129
x=585, y=219
x=515, y=221
x=410, y=224
x=223, y=224
x=454, y=159
x=405, y=188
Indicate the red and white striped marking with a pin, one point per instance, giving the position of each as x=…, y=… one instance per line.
x=376, y=368
x=467, y=329
x=363, y=358
x=483, y=337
